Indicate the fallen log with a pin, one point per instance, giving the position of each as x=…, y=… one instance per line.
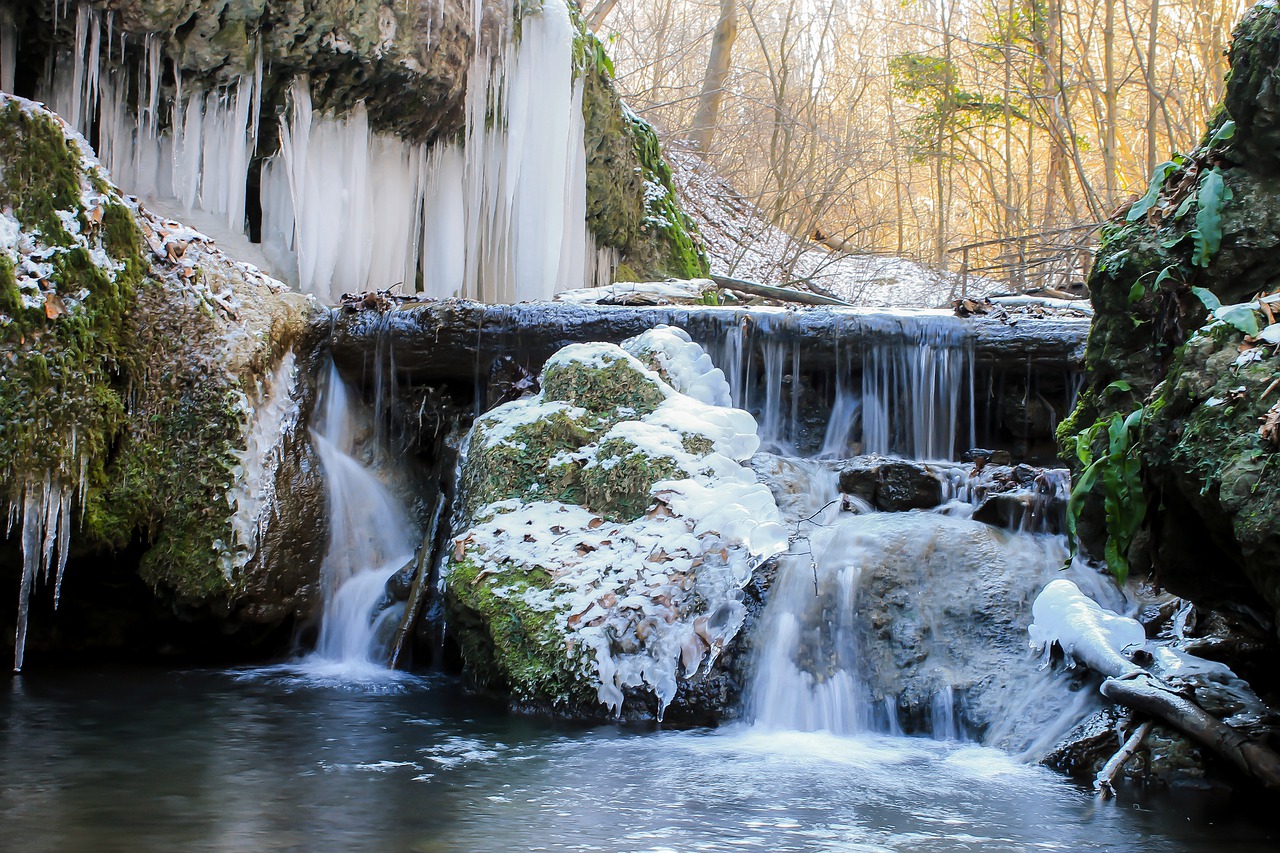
x=782, y=294
x=1142, y=691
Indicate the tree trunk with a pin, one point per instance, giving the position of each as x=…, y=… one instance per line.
x=1153, y=101
x=595, y=18
x=708, y=113
x=1111, y=111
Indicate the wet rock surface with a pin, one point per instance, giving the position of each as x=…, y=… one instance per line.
x=892, y=485
x=447, y=339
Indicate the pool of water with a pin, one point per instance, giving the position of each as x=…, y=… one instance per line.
x=129, y=759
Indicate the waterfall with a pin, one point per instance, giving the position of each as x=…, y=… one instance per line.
x=370, y=539
x=904, y=388
x=910, y=622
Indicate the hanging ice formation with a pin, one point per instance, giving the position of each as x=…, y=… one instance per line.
x=499, y=218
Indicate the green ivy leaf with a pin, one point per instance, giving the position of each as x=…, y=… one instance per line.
x=1161, y=174
x=1213, y=196
x=1208, y=297
x=1240, y=316
x=1222, y=134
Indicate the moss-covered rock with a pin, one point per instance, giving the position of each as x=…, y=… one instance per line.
x=140, y=363
x=608, y=528
x=1208, y=233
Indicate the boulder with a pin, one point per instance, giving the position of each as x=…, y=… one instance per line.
x=892, y=485
x=608, y=531
x=152, y=385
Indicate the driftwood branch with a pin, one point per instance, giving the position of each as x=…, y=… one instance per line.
x=783, y=294
x=1142, y=691
x=1104, y=783
x=418, y=591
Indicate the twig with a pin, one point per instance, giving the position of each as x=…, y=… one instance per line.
x=1104, y=783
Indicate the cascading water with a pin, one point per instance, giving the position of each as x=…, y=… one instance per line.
x=916, y=621
x=370, y=538
x=912, y=395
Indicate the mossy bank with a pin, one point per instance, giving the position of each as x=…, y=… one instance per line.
x=140, y=364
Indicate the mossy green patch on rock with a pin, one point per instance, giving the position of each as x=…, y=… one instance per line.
x=618, y=386
x=1209, y=477
x=619, y=482
x=42, y=173
x=632, y=204
x=507, y=644
x=513, y=462
x=128, y=381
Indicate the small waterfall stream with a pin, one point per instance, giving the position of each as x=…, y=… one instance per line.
x=370, y=538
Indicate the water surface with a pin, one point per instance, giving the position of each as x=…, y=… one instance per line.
x=131, y=759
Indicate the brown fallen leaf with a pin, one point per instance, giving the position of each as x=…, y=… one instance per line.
x=1270, y=429
x=595, y=522
x=54, y=306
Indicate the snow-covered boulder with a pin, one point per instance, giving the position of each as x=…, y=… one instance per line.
x=610, y=527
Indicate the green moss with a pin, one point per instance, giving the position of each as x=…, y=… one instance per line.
x=631, y=200
x=619, y=486
x=120, y=235
x=10, y=296
x=618, y=387
x=160, y=465
x=662, y=214
x=510, y=645
x=41, y=173
x=516, y=467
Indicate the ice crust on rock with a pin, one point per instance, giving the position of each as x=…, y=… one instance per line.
x=646, y=601
x=683, y=363
x=1085, y=630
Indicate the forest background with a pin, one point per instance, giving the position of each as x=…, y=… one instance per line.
x=918, y=127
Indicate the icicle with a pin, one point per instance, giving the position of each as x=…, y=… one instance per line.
x=8, y=54
x=45, y=540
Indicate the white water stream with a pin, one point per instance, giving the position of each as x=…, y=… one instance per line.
x=370, y=538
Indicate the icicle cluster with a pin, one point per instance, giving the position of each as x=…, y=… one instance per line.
x=500, y=218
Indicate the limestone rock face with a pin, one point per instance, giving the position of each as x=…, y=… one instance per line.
x=1160, y=342
x=151, y=392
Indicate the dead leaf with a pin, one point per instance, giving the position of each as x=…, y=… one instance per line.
x=585, y=548
x=1270, y=429
x=595, y=522
x=53, y=306
x=557, y=529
